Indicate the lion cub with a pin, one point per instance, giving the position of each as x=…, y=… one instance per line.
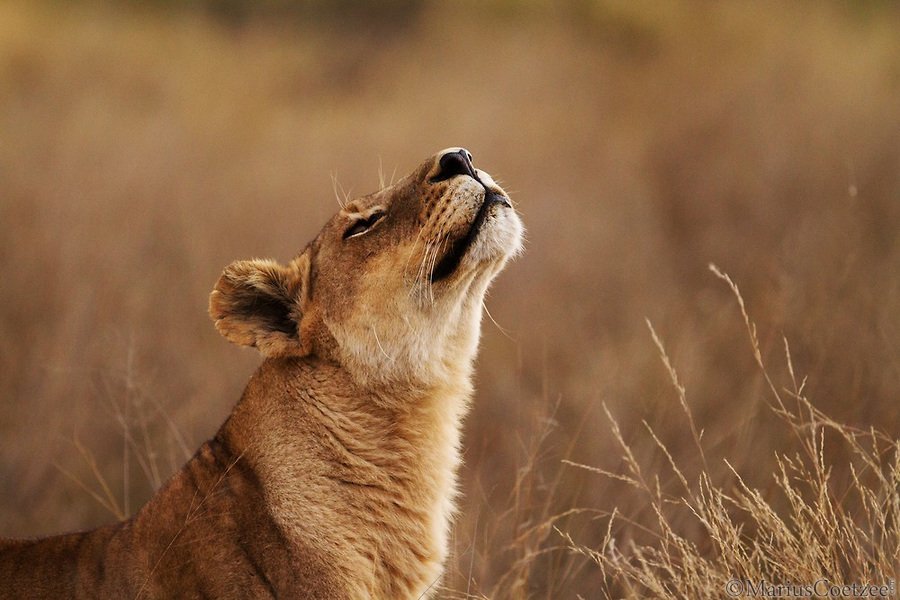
x=334, y=476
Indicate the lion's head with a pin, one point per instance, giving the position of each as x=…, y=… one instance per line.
x=392, y=286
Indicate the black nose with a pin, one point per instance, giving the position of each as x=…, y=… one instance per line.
x=458, y=162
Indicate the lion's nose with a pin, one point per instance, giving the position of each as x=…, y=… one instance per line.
x=453, y=163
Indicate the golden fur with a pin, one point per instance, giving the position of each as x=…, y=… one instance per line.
x=334, y=476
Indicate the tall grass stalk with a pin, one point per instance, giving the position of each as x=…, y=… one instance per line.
x=843, y=531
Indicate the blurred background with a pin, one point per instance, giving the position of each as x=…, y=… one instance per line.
x=145, y=145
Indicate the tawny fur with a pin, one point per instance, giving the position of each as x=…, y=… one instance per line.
x=335, y=474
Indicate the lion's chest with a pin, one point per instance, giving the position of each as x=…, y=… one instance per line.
x=378, y=509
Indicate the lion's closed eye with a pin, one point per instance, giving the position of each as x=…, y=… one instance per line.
x=363, y=224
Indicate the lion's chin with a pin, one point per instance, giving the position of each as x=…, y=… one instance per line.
x=500, y=238
x=494, y=236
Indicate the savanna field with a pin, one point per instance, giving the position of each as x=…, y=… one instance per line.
x=645, y=425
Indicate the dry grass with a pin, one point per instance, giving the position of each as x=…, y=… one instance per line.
x=142, y=150
x=831, y=535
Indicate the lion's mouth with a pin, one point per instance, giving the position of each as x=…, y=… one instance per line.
x=458, y=248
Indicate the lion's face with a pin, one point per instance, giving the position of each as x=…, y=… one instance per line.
x=392, y=286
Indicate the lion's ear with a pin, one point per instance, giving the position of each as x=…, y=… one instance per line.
x=259, y=303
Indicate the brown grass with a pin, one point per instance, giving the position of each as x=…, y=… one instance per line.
x=829, y=536
x=141, y=150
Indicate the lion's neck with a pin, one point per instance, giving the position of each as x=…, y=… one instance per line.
x=381, y=477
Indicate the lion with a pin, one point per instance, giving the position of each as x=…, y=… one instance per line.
x=335, y=474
